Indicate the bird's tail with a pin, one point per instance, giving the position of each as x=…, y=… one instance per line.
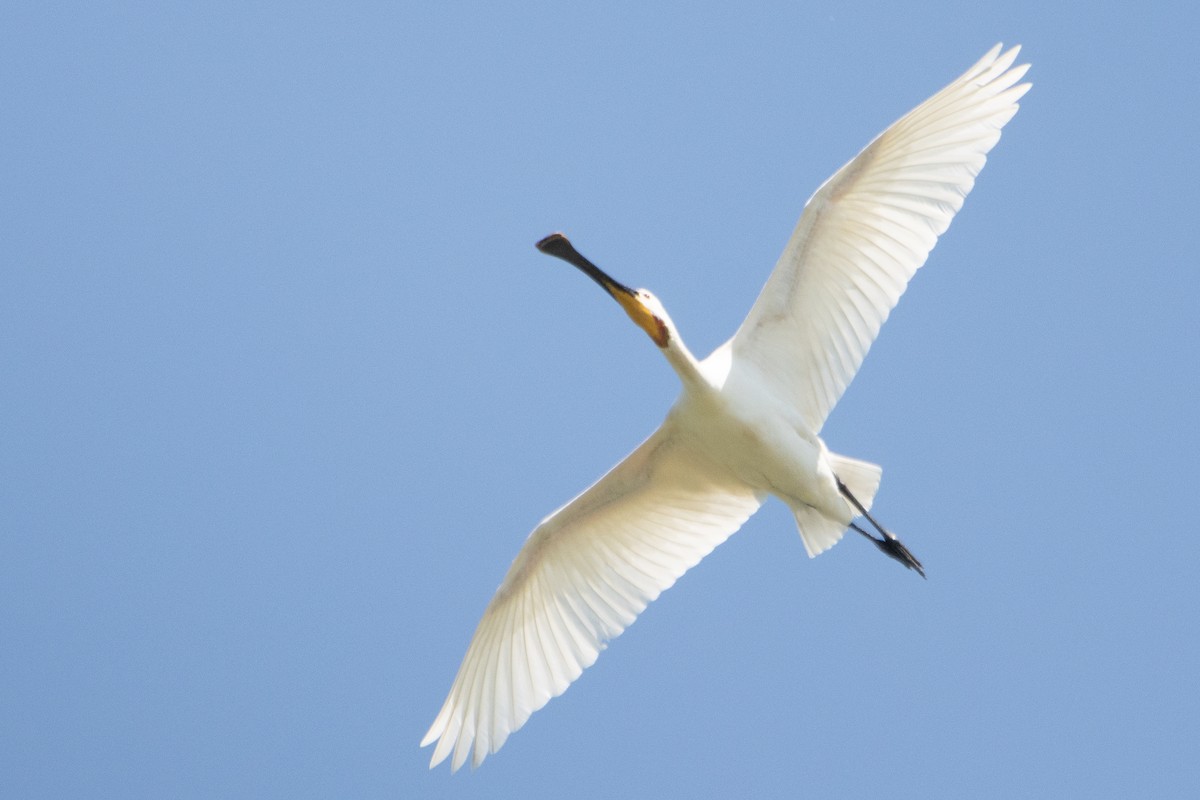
x=818, y=531
x=860, y=477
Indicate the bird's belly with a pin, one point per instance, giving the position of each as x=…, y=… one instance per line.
x=765, y=446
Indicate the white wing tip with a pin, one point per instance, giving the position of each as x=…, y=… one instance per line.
x=997, y=62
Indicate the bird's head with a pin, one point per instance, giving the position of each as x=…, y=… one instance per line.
x=642, y=307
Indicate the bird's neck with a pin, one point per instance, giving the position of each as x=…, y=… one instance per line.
x=684, y=364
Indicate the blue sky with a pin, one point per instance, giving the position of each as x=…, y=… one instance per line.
x=286, y=386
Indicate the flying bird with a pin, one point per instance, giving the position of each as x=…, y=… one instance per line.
x=746, y=424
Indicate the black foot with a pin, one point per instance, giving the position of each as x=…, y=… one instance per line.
x=893, y=548
x=896, y=549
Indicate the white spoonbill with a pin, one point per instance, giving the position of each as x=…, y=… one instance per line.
x=745, y=425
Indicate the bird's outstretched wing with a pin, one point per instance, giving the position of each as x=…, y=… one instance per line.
x=865, y=232
x=582, y=577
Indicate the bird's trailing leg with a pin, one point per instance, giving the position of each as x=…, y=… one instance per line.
x=889, y=544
